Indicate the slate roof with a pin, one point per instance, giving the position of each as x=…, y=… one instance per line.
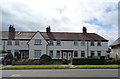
x=56, y=35
x=116, y=42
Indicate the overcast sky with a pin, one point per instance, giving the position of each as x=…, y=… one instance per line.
x=98, y=16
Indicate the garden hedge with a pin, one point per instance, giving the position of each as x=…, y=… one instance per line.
x=87, y=61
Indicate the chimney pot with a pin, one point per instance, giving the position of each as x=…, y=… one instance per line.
x=84, y=30
x=11, y=32
x=48, y=30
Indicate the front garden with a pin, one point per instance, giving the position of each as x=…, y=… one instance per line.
x=46, y=61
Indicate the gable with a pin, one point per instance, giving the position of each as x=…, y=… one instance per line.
x=37, y=35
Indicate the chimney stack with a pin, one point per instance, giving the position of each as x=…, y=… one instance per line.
x=48, y=30
x=84, y=30
x=11, y=32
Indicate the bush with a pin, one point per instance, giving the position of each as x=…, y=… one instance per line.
x=45, y=59
x=102, y=57
x=113, y=61
x=64, y=61
x=2, y=51
x=8, y=59
x=26, y=62
x=87, y=61
x=56, y=61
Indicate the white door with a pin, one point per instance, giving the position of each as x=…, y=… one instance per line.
x=69, y=55
x=65, y=55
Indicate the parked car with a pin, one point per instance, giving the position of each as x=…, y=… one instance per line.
x=2, y=58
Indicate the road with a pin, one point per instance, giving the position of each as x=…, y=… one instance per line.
x=61, y=73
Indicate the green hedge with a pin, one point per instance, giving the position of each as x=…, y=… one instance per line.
x=113, y=61
x=37, y=62
x=87, y=61
x=26, y=62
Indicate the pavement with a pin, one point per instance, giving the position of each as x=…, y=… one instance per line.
x=61, y=73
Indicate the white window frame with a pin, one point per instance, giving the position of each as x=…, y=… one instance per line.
x=51, y=53
x=51, y=42
x=99, y=52
x=57, y=54
x=92, y=43
x=38, y=42
x=92, y=52
x=9, y=42
x=82, y=43
x=58, y=42
x=17, y=42
x=75, y=53
x=99, y=43
x=37, y=54
x=75, y=42
x=82, y=52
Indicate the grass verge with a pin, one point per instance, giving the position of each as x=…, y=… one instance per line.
x=35, y=66
x=97, y=66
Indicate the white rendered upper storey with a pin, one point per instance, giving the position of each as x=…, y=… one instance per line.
x=58, y=45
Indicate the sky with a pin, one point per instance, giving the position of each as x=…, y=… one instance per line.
x=98, y=16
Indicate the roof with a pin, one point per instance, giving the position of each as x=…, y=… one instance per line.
x=56, y=35
x=116, y=42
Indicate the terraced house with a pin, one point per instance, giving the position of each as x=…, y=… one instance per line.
x=58, y=45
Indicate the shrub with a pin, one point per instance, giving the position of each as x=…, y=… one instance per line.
x=87, y=61
x=45, y=59
x=2, y=51
x=113, y=61
x=102, y=57
x=64, y=61
x=56, y=61
x=37, y=62
x=26, y=62
x=8, y=59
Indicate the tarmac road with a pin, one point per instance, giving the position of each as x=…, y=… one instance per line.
x=61, y=73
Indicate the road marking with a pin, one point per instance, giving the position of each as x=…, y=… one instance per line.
x=15, y=75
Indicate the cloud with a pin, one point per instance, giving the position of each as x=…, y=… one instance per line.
x=62, y=15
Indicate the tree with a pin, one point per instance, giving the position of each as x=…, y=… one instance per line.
x=45, y=59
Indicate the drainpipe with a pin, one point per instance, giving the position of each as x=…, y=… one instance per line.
x=87, y=49
x=46, y=49
x=4, y=45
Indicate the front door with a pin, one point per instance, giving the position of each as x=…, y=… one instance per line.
x=67, y=55
x=24, y=54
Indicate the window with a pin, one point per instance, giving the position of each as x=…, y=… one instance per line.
x=82, y=43
x=16, y=52
x=92, y=53
x=75, y=43
x=58, y=54
x=98, y=43
x=37, y=53
x=82, y=53
x=75, y=53
x=9, y=51
x=37, y=41
x=51, y=54
x=9, y=42
x=16, y=42
x=58, y=42
x=99, y=53
x=92, y=43
x=51, y=42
